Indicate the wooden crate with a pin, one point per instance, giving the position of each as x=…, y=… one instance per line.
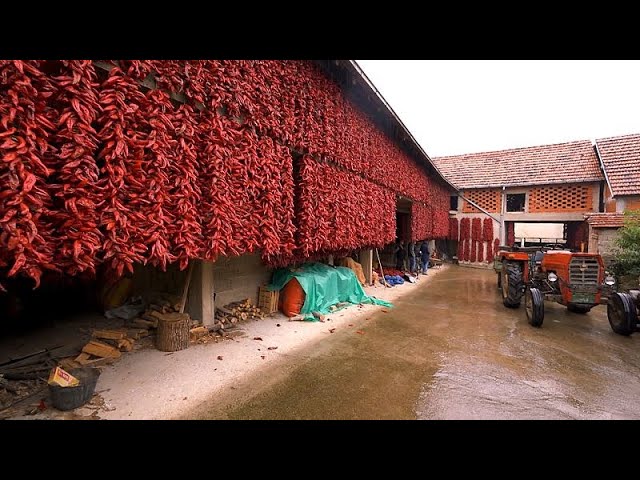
x=268, y=300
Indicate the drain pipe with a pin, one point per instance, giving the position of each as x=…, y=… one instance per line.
x=497, y=220
x=474, y=204
x=604, y=170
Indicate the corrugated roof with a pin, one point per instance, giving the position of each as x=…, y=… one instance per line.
x=621, y=159
x=605, y=220
x=572, y=162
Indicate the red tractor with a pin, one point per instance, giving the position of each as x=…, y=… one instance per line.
x=577, y=280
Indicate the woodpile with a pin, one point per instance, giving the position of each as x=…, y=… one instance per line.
x=235, y=312
x=226, y=319
x=107, y=346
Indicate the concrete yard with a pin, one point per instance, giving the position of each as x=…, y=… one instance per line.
x=150, y=384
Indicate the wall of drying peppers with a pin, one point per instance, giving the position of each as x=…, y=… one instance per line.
x=99, y=171
x=422, y=221
x=340, y=211
x=473, y=233
x=453, y=229
x=296, y=103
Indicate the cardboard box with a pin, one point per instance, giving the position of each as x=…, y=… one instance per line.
x=61, y=377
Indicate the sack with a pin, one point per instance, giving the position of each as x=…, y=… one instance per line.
x=293, y=298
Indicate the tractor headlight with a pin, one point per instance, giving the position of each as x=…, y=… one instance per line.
x=609, y=280
x=552, y=277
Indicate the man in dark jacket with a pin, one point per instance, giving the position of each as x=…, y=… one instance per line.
x=412, y=257
x=400, y=255
x=424, y=256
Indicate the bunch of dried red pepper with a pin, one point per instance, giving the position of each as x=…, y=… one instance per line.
x=340, y=211
x=421, y=222
x=108, y=172
x=453, y=229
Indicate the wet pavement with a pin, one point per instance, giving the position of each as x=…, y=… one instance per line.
x=450, y=350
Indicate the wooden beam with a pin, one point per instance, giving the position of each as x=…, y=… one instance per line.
x=185, y=291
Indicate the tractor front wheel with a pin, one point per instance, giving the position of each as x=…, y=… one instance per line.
x=511, y=284
x=572, y=307
x=621, y=312
x=534, y=306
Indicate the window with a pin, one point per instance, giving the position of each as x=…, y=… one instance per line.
x=453, y=202
x=515, y=202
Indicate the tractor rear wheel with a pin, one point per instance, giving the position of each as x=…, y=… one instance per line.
x=572, y=307
x=512, y=285
x=621, y=312
x=534, y=306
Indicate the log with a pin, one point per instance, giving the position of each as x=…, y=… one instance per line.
x=100, y=349
x=173, y=333
x=84, y=359
x=69, y=363
x=170, y=317
x=7, y=386
x=197, y=332
x=108, y=341
x=215, y=328
x=225, y=311
x=146, y=324
x=151, y=316
x=125, y=344
x=137, y=333
x=158, y=308
x=26, y=376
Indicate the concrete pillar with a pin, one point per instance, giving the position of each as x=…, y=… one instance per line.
x=366, y=260
x=206, y=284
x=201, y=305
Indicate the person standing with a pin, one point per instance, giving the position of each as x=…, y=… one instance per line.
x=424, y=256
x=411, y=247
x=400, y=255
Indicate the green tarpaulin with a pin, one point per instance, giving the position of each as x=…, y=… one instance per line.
x=324, y=286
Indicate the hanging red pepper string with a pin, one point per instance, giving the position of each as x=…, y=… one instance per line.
x=112, y=172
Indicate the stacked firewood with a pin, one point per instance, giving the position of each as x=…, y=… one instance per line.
x=226, y=318
x=235, y=312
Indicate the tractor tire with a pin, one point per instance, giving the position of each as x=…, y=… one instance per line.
x=534, y=306
x=572, y=307
x=499, y=280
x=621, y=312
x=512, y=286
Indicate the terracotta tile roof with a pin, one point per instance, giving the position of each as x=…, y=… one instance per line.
x=605, y=220
x=571, y=162
x=621, y=159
